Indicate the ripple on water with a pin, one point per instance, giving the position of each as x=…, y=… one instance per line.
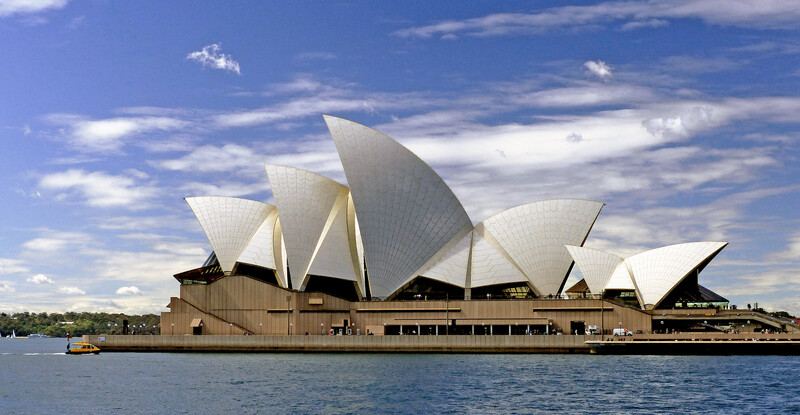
x=46, y=382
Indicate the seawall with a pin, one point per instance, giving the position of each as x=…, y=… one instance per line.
x=342, y=344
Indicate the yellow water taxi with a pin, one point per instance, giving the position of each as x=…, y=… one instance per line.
x=83, y=348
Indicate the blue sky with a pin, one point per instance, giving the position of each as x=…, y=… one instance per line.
x=681, y=116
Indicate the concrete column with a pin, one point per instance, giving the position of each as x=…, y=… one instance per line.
x=473, y=329
x=509, y=329
x=401, y=329
x=491, y=330
x=437, y=329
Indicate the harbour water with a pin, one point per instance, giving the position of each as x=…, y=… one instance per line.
x=36, y=377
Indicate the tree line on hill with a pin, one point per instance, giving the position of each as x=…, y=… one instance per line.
x=77, y=323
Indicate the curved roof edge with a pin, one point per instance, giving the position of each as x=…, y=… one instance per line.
x=658, y=271
x=229, y=224
x=307, y=204
x=406, y=211
x=597, y=266
x=534, y=235
x=602, y=204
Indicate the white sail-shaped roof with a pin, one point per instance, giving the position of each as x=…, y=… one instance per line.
x=659, y=271
x=450, y=264
x=621, y=279
x=229, y=224
x=534, y=236
x=307, y=205
x=262, y=248
x=356, y=245
x=333, y=258
x=406, y=212
x=490, y=266
x=596, y=266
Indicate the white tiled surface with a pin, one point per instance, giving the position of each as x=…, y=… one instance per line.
x=490, y=266
x=621, y=279
x=333, y=258
x=597, y=267
x=261, y=249
x=305, y=202
x=659, y=270
x=405, y=210
x=229, y=224
x=534, y=235
x=450, y=264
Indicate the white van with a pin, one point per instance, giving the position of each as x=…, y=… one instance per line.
x=622, y=332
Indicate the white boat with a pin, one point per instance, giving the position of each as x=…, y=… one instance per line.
x=37, y=336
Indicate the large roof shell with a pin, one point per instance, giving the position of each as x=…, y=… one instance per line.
x=490, y=265
x=307, y=205
x=599, y=267
x=333, y=258
x=534, y=236
x=659, y=271
x=264, y=248
x=450, y=264
x=406, y=212
x=229, y=224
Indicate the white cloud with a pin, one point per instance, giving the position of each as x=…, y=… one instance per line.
x=97, y=306
x=210, y=56
x=651, y=23
x=585, y=96
x=599, y=69
x=226, y=188
x=208, y=157
x=40, y=279
x=5, y=287
x=11, y=7
x=300, y=107
x=45, y=244
x=54, y=241
x=71, y=290
x=790, y=253
x=325, y=56
x=110, y=134
x=11, y=266
x=100, y=189
x=132, y=290
x=574, y=138
x=765, y=14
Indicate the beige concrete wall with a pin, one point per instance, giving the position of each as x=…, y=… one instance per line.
x=179, y=320
x=400, y=344
x=261, y=309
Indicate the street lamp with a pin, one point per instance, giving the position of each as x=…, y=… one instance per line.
x=322, y=328
x=173, y=328
x=288, y=314
x=260, y=328
x=230, y=328
x=602, y=307
x=446, y=314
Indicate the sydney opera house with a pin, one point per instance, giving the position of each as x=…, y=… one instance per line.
x=394, y=252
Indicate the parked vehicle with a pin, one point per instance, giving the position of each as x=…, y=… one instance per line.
x=622, y=332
